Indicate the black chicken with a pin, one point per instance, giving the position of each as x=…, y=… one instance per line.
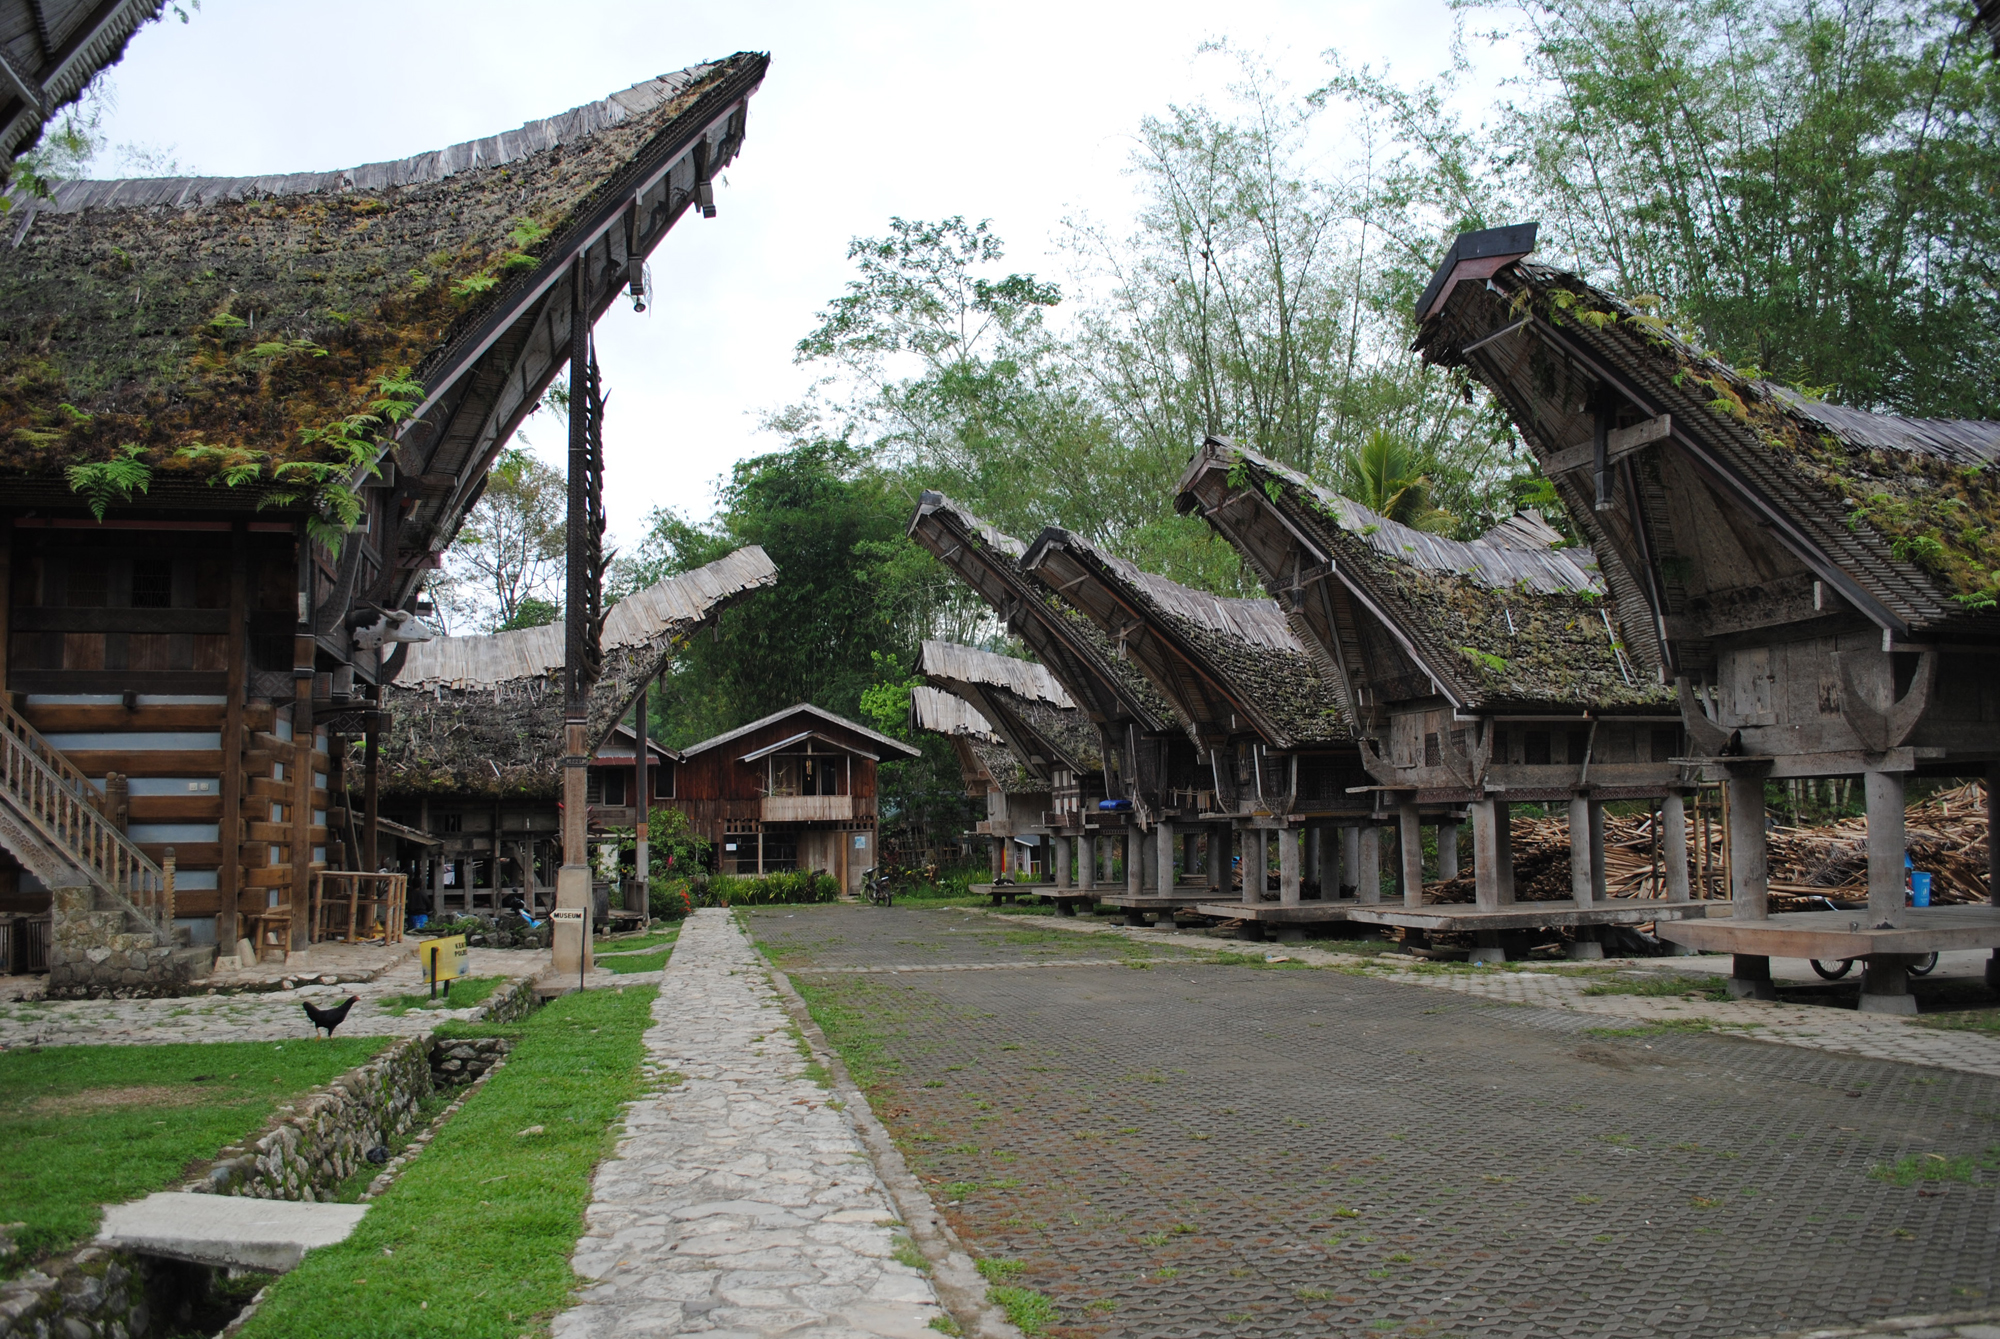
x=329, y=1018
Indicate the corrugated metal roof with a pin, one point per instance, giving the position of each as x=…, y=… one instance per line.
x=969, y=664
x=639, y=618
x=948, y=714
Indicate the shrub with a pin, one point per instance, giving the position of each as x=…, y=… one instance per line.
x=789, y=888
x=668, y=899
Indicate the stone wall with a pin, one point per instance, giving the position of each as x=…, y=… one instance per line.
x=323, y=1138
x=92, y=954
x=98, y=1294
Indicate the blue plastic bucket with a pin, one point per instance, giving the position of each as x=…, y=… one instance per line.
x=1920, y=888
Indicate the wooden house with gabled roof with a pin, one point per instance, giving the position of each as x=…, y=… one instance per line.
x=1053, y=769
x=50, y=50
x=1483, y=673
x=1275, y=753
x=795, y=790
x=1816, y=582
x=240, y=420
x=1142, y=742
x=473, y=752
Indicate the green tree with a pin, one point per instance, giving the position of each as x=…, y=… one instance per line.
x=506, y=568
x=1807, y=188
x=1383, y=474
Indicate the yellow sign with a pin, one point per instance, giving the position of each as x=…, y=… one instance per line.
x=442, y=959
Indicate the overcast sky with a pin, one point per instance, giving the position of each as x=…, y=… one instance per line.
x=1022, y=112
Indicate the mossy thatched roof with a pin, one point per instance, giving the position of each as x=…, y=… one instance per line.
x=245, y=315
x=1900, y=515
x=1507, y=618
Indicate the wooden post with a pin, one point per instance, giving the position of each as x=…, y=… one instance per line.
x=1062, y=864
x=572, y=941
x=371, y=800
x=1992, y=846
x=1410, y=847
x=1255, y=870
x=1447, y=851
x=229, y=878
x=1368, y=868
x=1218, y=859
x=1086, y=862
x=642, y=855
x=1492, y=855
x=1350, y=861
x=1288, y=866
x=1886, y=844
x=1581, y=879
x=1163, y=877
x=1135, y=858
x=1674, y=847
x=1749, y=869
x=6, y=595
x=302, y=767
x=1599, y=892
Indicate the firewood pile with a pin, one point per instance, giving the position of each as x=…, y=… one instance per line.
x=1541, y=861
x=1945, y=834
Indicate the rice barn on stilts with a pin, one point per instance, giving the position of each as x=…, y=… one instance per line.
x=1482, y=673
x=1044, y=763
x=1140, y=740
x=1814, y=582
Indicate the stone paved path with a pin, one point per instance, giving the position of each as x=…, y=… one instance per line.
x=259, y=1016
x=1817, y=1027
x=740, y=1202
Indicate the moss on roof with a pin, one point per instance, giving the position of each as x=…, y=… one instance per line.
x=248, y=325
x=1929, y=488
x=1531, y=640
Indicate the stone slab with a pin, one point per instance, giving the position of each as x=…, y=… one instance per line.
x=227, y=1230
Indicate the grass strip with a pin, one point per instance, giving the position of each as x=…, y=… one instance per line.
x=1919, y=1167
x=86, y=1126
x=475, y=1237
x=627, y=963
x=464, y=993
x=638, y=943
x=1969, y=1020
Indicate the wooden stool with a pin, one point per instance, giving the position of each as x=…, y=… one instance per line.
x=263, y=923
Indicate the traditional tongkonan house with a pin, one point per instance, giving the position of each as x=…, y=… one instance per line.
x=1054, y=769
x=240, y=419
x=1815, y=581
x=1272, y=751
x=51, y=49
x=1141, y=741
x=1483, y=673
x=475, y=747
x=793, y=791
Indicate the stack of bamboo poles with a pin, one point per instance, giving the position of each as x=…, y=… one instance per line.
x=1945, y=834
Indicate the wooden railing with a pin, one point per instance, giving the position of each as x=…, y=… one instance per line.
x=61, y=804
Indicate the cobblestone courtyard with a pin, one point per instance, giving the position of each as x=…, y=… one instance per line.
x=1174, y=1146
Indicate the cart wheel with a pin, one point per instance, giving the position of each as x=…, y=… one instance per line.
x=1836, y=971
x=1924, y=966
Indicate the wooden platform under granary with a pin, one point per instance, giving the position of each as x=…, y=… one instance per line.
x=1802, y=574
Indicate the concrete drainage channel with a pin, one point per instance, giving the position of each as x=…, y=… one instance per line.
x=182, y=1261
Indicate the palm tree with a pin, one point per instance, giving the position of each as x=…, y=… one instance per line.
x=1383, y=475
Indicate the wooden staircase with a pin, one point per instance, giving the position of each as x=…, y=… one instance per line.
x=52, y=813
